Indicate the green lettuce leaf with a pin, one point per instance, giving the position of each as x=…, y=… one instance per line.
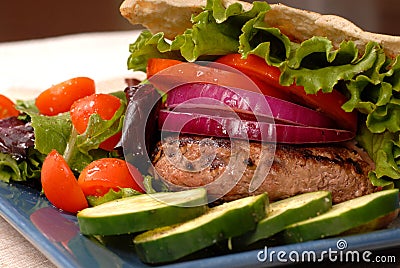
x=222, y=14
x=110, y=196
x=83, y=149
x=316, y=67
x=384, y=148
x=375, y=94
x=57, y=132
x=21, y=171
x=215, y=32
x=266, y=42
x=51, y=132
x=149, y=46
x=9, y=170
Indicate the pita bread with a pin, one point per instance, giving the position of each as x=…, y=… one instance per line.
x=173, y=17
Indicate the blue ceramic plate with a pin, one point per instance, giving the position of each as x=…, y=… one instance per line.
x=57, y=235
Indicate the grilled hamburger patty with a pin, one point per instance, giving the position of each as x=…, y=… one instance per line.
x=294, y=169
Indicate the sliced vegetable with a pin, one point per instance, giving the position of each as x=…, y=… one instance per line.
x=109, y=173
x=142, y=212
x=160, y=66
x=155, y=65
x=254, y=66
x=59, y=98
x=213, y=96
x=219, y=223
x=286, y=212
x=328, y=103
x=213, y=73
x=230, y=127
x=344, y=216
x=223, y=73
x=104, y=105
x=60, y=185
x=7, y=107
x=270, y=90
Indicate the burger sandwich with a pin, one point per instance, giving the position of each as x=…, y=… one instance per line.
x=330, y=88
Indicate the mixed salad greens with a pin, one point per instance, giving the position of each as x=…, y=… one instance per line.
x=81, y=136
x=56, y=132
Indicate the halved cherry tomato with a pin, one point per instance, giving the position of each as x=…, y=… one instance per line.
x=104, y=105
x=154, y=65
x=109, y=173
x=330, y=104
x=59, y=98
x=60, y=185
x=7, y=107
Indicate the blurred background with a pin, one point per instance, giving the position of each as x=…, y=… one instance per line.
x=25, y=19
x=43, y=18
x=380, y=16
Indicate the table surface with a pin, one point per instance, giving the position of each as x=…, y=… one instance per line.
x=16, y=251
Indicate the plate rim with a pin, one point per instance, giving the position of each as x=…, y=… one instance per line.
x=376, y=240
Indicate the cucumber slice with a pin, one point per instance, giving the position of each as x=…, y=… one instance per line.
x=344, y=216
x=142, y=212
x=219, y=223
x=284, y=213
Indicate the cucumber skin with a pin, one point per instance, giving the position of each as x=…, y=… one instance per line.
x=316, y=229
x=141, y=220
x=230, y=224
x=271, y=226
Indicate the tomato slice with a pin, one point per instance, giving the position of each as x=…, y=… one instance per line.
x=155, y=65
x=109, y=173
x=59, y=98
x=177, y=73
x=60, y=185
x=254, y=66
x=104, y=105
x=266, y=77
x=328, y=103
x=7, y=107
x=270, y=90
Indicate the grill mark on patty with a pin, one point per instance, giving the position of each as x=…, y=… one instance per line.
x=337, y=159
x=294, y=170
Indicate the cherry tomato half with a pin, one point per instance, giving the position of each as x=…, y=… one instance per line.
x=60, y=185
x=7, y=107
x=109, y=173
x=59, y=98
x=104, y=105
x=328, y=103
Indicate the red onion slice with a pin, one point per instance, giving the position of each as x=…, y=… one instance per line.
x=229, y=127
x=205, y=95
